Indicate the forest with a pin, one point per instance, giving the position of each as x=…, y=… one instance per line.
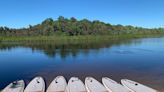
x=73, y=27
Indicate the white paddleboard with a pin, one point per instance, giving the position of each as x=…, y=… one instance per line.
x=58, y=85
x=113, y=86
x=92, y=85
x=136, y=87
x=76, y=85
x=36, y=85
x=17, y=86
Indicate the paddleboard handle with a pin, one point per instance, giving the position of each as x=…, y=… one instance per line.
x=37, y=81
x=15, y=83
x=56, y=81
x=75, y=80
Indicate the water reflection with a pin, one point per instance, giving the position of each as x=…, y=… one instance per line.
x=65, y=50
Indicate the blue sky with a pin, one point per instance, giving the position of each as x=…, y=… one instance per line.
x=144, y=13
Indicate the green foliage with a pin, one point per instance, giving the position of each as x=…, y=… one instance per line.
x=74, y=27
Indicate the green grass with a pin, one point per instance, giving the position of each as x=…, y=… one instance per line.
x=72, y=39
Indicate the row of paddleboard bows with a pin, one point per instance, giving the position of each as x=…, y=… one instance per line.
x=59, y=84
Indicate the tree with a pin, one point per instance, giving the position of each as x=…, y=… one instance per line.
x=73, y=26
x=73, y=19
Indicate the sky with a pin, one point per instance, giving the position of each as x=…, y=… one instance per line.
x=142, y=13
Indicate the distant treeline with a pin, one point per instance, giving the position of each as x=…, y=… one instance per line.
x=73, y=27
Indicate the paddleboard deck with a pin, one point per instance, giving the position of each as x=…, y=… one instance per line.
x=17, y=86
x=93, y=85
x=113, y=86
x=136, y=87
x=76, y=85
x=36, y=85
x=58, y=85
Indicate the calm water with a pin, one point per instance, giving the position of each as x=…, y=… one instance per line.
x=140, y=60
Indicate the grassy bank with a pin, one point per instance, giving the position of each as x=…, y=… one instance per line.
x=74, y=39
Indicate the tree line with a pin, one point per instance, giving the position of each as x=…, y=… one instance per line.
x=73, y=27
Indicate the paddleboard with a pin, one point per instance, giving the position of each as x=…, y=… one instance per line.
x=92, y=85
x=136, y=87
x=36, y=85
x=113, y=86
x=16, y=86
x=58, y=85
x=76, y=85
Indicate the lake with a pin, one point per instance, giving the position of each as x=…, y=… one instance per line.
x=141, y=60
